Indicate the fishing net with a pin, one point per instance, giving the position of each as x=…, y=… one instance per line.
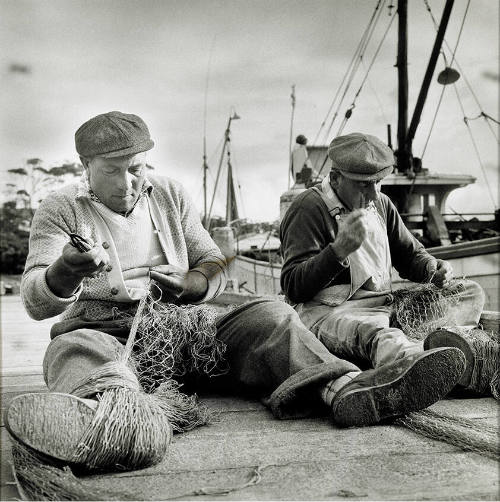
x=469, y=435
x=485, y=349
x=419, y=310
x=40, y=478
x=139, y=400
x=173, y=341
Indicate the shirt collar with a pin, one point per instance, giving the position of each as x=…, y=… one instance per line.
x=327, y=189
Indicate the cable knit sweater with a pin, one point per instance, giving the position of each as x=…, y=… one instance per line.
x=183, y=239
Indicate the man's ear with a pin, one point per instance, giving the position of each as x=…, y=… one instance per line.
x=334, y=181
x=85, y=162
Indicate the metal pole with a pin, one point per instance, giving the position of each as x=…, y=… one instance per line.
x=403, y=157
x=226, y=137
x=205, y=168
x=428, y=74
x=292, y=96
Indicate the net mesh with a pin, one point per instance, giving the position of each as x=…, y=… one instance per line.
x=485, y=347
x=469, y=435
x=173, y=341
x=39, y=478
x=419, y=310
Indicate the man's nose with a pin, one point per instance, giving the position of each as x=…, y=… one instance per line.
x=125, y=181
x=372, y=192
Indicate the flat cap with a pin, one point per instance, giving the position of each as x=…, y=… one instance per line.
x=113, y=134
x=361, y=157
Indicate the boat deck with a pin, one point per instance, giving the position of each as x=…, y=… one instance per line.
x=248, y=455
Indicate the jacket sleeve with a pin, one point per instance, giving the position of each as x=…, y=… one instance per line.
x=48, y=235
x=203, y=254
x=309, y=262
x=408, y=256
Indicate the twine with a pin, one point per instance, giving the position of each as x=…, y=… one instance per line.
x=420, y=310
x=467, y=434
x=130, y=428
x=486, y=349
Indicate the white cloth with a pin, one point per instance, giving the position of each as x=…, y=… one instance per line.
x=370, y=265
x=300, y=159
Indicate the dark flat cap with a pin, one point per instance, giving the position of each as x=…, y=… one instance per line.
x=361, y=157
x=113, y=134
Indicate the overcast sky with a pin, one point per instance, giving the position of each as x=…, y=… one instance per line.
x=150, y=57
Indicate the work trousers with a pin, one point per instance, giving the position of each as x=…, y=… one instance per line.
x=360, y=330
x=269, y=351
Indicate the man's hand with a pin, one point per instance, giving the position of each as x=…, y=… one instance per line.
x=442, y=274
x=176, y=283
x=86, y=264
x=351, y=234
x=67, y=272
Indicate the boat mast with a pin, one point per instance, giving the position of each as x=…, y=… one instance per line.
x=422, y=96
x=403, y=155
x=227, y=139
x=405, y=134
x=292, y=96
x=205, y=169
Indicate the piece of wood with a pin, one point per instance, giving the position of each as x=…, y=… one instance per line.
x=490, y=320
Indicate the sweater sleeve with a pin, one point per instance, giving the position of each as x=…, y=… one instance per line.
x=408, y=256
x=309, y=262
x=203, y=254
x=48, y=235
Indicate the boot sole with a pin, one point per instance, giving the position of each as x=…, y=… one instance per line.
x=50, y=423
x=426, y=381
x=446, y=338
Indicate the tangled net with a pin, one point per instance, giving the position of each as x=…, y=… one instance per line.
x=139, y=401
x=38, y=478
x=173, y=341
x=485, y=346
x=469, y=435
x=422, y=309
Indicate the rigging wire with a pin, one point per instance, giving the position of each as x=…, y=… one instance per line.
x=349, y=111
x=377, y=98
x=486, y=117
x=351, y=63
x=444, y=86
x=476, y=149
x=352, y=67
x=353, y=104
x=236, y=181
x=358, y=62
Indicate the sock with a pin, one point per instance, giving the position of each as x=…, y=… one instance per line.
x=330, y=390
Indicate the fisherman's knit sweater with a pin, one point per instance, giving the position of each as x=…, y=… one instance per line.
x=185, y=244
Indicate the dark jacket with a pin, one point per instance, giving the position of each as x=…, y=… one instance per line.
x=309, y=263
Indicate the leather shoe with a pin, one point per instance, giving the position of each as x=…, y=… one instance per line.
x=408, y=384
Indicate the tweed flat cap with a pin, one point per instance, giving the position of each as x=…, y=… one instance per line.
x=361, y=157
x=113, y=134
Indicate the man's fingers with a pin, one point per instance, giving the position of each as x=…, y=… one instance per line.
x=168, y=282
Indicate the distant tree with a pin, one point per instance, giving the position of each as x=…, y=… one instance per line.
x=32, y=182
x=14, y=234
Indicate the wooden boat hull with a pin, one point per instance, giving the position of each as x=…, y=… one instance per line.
x=476, y=260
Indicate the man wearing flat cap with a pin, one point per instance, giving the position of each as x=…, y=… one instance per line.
x=339, y=242
x=142, y=226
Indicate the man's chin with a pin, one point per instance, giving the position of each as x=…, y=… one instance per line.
x=123, y=205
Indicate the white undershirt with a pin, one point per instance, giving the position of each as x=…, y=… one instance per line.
x=136, y=242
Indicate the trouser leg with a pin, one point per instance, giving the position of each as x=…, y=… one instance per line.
x=73, y=356
x=268, y=347
x=365, y=334
x=359, y=330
